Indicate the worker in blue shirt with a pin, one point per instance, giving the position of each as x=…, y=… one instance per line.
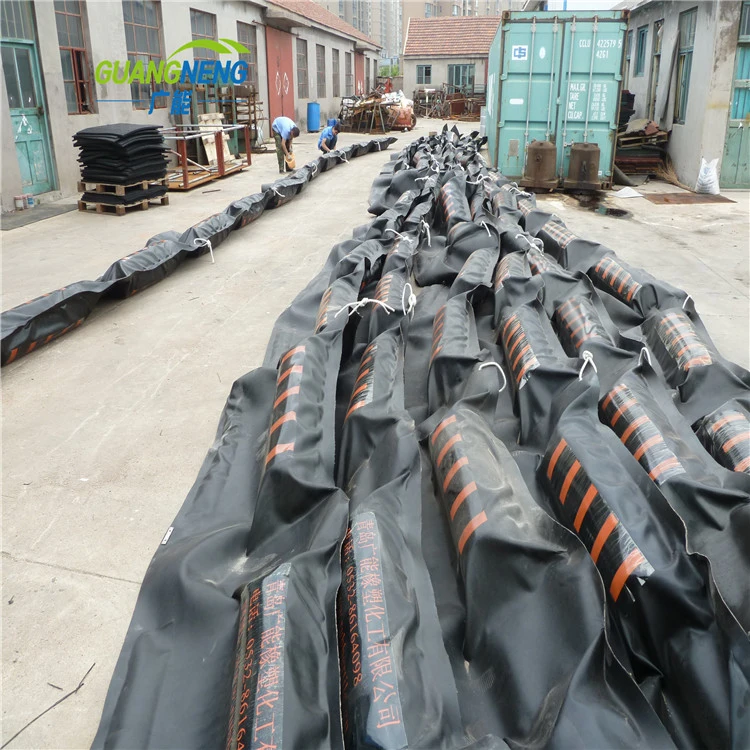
x=284, y=132
x=328, y=138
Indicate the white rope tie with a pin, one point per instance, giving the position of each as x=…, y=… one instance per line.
x=419, y=179
x=200, y=242
x=588, y=359
x=361, y=303
x=314, y=167
x=480, y=180
x=684, y=304
x=412, y=299
x=281, y=195
x=534, y=242
x=484, y=224
x=398, y=234
x=426, y=226
x=499, y=369
x=644, y=354
x=341, y=155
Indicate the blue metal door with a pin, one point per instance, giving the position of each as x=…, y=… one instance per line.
x=27, y=115
x=735, y=164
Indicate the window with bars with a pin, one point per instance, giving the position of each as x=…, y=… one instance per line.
x=424, y=74
x=143, y=38
x=640, y=51
x=367, y=77
x=349, y=72
x=336, y=72
x=15, y=20
x=203, y=26
x=684, y=62
x=303, y=86
x=247, y=34
x=375, y=72
x=320, y=69
x=74, y=57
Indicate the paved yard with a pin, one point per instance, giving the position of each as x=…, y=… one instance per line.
x=104, y=429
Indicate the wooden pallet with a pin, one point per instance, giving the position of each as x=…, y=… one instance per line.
x=105, y=187
x=120, y=209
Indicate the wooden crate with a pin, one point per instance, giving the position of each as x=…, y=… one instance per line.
x=121, y=209
x=119, y=190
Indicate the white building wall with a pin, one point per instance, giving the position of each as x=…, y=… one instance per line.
x=330, y=106
x=440, y=71
x=105, y=27
x=704, y=131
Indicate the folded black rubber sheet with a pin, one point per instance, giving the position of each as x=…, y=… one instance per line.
x=489, y=489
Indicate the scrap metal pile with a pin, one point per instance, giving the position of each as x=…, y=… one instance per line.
x=489, y=489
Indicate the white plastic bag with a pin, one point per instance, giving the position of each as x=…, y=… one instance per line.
x=708, y=178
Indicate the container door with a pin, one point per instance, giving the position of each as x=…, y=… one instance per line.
x=493, y=90
x=359, y=73
x=590, y=90
x=28, y=116
x=735, y=169
x=528, y=90
x=280, y=73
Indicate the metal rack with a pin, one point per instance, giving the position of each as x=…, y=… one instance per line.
x=189, y=173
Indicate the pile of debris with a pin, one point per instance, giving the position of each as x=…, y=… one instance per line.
x=641, y=147
x=377, y=112
x=449, y=103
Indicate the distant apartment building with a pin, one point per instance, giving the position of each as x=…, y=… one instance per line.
x=441, y=8
x=378, y=19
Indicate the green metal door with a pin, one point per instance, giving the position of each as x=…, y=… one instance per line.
x=735, y=165
x=27, y=115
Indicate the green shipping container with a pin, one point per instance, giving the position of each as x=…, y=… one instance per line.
x=555, y=76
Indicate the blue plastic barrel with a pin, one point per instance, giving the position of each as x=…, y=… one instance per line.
x=313, y=117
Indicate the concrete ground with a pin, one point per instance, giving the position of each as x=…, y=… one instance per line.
x=104, y=429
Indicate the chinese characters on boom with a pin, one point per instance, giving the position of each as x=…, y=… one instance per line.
x=369, y=676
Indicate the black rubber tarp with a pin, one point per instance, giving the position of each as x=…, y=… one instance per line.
x=489, y=489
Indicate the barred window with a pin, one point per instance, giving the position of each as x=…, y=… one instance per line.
x=320, y=62
x=303, y=89
x=74, y=57
x=143, y=39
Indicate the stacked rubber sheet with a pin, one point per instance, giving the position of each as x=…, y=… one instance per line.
x=121, y=153
x=27, y=327
x=489, y=489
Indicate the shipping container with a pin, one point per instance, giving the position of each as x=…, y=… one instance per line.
x=555, y=76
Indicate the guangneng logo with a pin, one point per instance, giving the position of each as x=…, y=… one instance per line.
x=169, y=71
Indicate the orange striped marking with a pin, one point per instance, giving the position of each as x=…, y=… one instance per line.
x=290, y=353
x=510, y=320
x=284, y=375
x=555, y=455
x=448, y=445
x=280, y=448
x=452, y=472
x=13, y=355
x=470, y=528
x=285, y=395
x=607, y=528
x=435, y=353
x=292, y=415
x=569, y=480
x=359, y=390
x=650, y=442
x=742, y=465
x=636, y=423
x=442, y=426
x=520, y=355
x=669, y=463
x=736, y=439
x=625, y=406
x=365, y=361
x=726, y=420
x=361, y=375
x=703, y=359
x=612, y=394
x=32, y=346
x=526, y=368
x=629, y=564
x=584, y=506
x=354, y=407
